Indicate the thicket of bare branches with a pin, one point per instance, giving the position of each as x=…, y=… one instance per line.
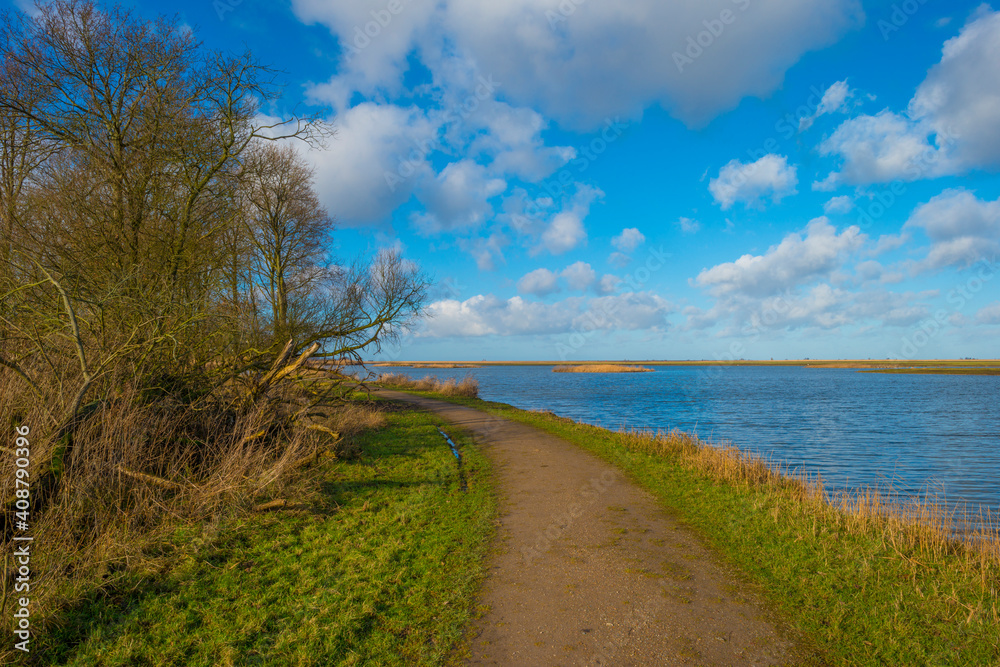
x=163, y=251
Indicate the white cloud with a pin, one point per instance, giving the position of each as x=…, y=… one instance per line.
x=583, y=62
x=566, y=231
x=512, y=137
x=989, y=314
x=619, y=259
x=540, y=282
x=842, y=204
x=373, y=141
x=770, y=176
x=579, y=276
x=887, y=243
x=689, y=226
x=962, y=229
x=951, y=125
x=786, y=265
x=834, y=99
x=608, y=284
x=630, y=239
x=484, y=315
x=485, y=251
x=881, y=148
x=960, y=97
x=457, y=197
x=28, y=7
x=821, y=306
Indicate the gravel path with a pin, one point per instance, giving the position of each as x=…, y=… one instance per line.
x=590, y=570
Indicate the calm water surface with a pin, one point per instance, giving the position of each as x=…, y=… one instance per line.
x=919, y=433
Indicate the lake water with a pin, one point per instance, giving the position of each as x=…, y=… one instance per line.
x=919, y=433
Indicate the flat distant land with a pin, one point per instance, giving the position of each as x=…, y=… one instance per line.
x=926, y=366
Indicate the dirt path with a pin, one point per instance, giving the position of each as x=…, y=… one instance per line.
x=591, y=571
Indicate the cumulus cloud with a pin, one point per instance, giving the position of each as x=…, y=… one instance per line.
x=486, y=252
x=358, y=179
x=881, y=148
x=769, y=177
x=821, y=306
x=566, y=231
x=619, y=259
x=484, y=315
x=795, y=260
x=511, y=137
x=540, y=282
x=961, y=227
x=989, y=314
x=689, y=226
x=630, y=239
x=960, y=97
x=842, y=204
x=555, y=58
x=608, y=284
x=579, y=276
x=458, y=197
x=833, y=100
x=951, y=125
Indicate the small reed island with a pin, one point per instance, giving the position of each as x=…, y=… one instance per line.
x=601, y=368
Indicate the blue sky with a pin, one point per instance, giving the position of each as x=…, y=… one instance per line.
x=640, y=179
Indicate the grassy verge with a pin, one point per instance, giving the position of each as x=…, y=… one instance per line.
x=378, y=566
x=871, y=587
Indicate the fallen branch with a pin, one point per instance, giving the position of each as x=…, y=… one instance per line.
x=278, y=504
x=156, y=481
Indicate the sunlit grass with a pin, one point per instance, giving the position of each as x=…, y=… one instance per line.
x=875, y=582
x=380, y=566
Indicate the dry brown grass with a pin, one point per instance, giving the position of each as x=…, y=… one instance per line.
x=601, y=368
x=140, y=466
x=467, y=387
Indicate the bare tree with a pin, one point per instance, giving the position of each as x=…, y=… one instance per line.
x=289, y=231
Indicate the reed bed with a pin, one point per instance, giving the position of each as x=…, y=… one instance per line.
x=601, y=368
x=914, y=527
x=467, y=387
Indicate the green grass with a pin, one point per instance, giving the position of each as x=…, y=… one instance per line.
x=862, y=598
x=381, y=569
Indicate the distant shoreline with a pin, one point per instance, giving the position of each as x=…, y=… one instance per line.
x=937, y=366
